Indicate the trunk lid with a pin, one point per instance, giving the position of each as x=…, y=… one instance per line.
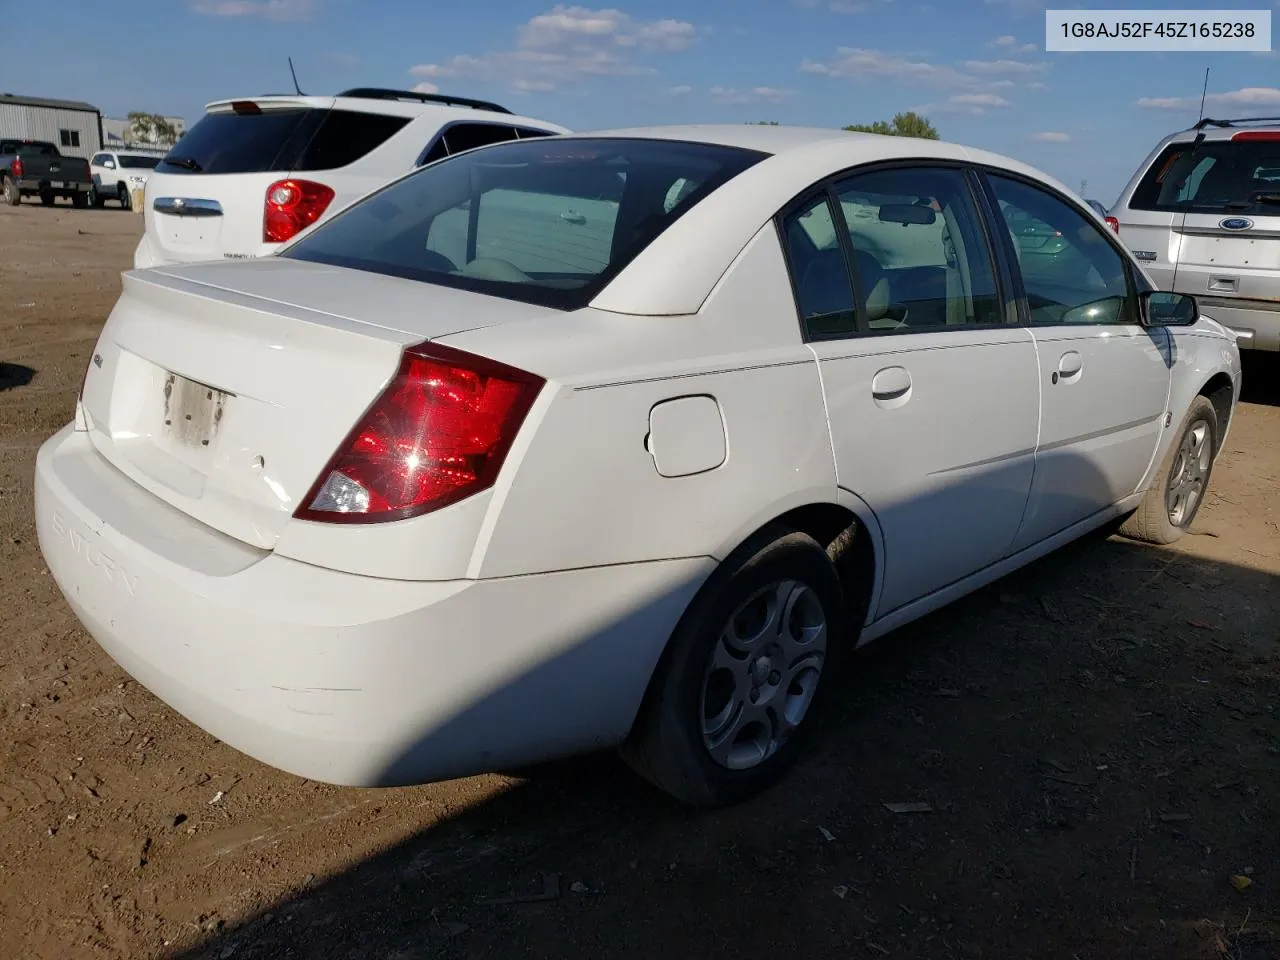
x=225, y=388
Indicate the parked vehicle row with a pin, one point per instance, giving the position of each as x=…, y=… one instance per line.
x=624, y=439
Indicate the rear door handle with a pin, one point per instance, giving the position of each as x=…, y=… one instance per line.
x=891, y=387
x=1069, y=366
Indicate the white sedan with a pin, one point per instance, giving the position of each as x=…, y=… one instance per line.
x=613, y=440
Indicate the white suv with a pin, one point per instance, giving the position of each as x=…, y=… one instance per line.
x=117, y=173
x=1203, y=215
x=255, y=172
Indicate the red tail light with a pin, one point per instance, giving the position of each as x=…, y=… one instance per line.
x=1114, y=224
x=293, y=205
x=16, y=167
x=437, y=434
x=1257, y=135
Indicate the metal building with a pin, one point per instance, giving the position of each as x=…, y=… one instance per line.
x=75, y=127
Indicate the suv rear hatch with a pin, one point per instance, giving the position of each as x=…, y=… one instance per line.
x=206, y=199
x=1212, y=211
x=225, y=388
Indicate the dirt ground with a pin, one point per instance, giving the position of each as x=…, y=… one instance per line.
x=1098, y=738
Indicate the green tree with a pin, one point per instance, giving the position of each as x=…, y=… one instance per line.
x=907, y=124
x=762, y=123
x=151, y=128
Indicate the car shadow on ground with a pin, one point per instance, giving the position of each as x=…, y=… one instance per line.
x=1260, y=380
x=14, y=375
x=1095, y=738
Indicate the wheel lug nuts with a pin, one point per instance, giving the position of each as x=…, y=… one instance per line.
x=755, y=694
x=775, y=676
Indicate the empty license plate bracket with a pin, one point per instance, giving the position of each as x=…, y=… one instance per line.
x=192, y=411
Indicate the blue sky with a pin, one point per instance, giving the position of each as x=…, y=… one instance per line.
x=976, y=67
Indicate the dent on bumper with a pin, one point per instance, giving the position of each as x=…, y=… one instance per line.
x=349, y=679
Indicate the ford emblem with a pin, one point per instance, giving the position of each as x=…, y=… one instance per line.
x=1235, y=223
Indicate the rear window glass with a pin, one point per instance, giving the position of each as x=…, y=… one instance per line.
x=138, y=163
x=278, y=141
x=1221, y=176
x=35, y=149
x=543, y=221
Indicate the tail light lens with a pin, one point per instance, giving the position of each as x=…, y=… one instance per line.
x=1114, y=224
x=292, y=206
x=16, y=167
x=437, y=434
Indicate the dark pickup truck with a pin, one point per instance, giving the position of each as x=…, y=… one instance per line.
x=34, y=168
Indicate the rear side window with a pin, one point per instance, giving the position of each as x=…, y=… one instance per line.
x=466, y=136
x=1220, y=176
x=543, y=221
x=278, y=141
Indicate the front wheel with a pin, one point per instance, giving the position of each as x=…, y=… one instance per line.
x=1174, y=498
x=737, y=689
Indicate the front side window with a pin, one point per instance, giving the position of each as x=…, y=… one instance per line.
x=1071, y=272
x=544, y=221
x=919, y=249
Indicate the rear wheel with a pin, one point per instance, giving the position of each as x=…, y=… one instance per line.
x=80, y=200
x=46, y=198
x=122, y=194
x=737, y=689
x=1174, y=498
x=12, y=195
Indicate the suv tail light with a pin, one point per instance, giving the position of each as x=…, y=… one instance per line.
x=16, y=167
x=293, y=205
x=1114, y=224
x=437, y=434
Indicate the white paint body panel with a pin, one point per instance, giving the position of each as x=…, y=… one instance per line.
x=409, y=651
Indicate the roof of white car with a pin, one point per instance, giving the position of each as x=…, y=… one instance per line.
x=767, y=138
x=442, y=112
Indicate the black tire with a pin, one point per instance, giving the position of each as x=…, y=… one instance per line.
x=96, y=199
x=122, y=194
x=668, y=745
x=1156, y=520
x=12, y=195
x=80, y=200
x=46, y=199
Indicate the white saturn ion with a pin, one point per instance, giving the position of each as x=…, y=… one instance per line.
x=613, y=440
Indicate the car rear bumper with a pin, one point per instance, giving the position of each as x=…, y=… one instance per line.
x=1256, y=323
x=349, y=679
x=69, y=188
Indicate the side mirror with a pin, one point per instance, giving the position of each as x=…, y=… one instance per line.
x=1161, y=308
x=109, y=164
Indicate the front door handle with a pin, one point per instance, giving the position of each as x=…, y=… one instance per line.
x=1070, y=364
x=891, y=387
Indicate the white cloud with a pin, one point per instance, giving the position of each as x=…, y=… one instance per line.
x=842, y=6
x=566, y=44
x=1008, y=68
x=674, y=93
x=1010, y=43
x=284, y=11
x=425, y=87
x=971, y=75
x=859, y=62
x=1052, y=136
x=1244, y=97
x=732, y=95
x=978, y=100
